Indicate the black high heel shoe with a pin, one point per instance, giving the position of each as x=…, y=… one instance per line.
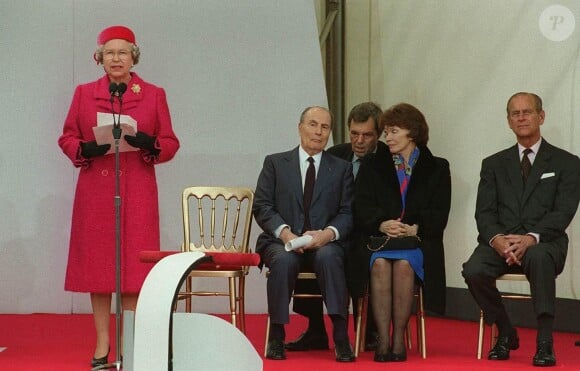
x=100, y=361
x=399, y=357
x=383, y=357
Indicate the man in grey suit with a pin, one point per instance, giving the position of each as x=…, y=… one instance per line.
x=284, y=211
x=527, y=196
x=364, y=131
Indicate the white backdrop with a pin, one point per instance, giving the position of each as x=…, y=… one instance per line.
x=237, y=76
x=459, y=61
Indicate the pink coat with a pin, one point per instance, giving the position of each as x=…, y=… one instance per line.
x=91, y=260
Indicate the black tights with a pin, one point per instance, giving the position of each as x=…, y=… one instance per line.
x=392, y=288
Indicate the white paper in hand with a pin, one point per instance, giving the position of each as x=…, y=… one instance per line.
x=298, y=242
x=104, y=131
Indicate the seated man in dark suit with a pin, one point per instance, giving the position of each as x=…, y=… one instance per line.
x=364, y=131
x=305, y=192
x=527, y=196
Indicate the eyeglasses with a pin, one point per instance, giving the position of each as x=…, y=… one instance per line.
x=122, y=54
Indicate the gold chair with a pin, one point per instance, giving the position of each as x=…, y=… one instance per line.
x=361, y=324
x=301, y=276
x=220, y=222
x=493, y=337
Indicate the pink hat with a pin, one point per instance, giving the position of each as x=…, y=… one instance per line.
x=116, y=32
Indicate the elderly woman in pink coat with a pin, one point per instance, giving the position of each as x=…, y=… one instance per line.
x=91, y=260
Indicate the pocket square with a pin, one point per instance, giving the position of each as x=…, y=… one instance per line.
x=547, y=175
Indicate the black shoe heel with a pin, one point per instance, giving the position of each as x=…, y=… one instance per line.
x=382, y=357
x=100, y=361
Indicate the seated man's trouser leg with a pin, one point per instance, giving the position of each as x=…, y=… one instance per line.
x=327, y=263
x=542, y=264
x=539, y=264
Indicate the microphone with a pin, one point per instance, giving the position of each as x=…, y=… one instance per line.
x=117, y=90
x=113, y=88
x=121, y=89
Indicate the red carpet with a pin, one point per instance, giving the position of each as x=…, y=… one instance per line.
x=47, y=342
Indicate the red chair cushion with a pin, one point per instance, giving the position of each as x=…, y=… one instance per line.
x=222, y=261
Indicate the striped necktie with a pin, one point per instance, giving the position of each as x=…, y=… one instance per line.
x=526, y=164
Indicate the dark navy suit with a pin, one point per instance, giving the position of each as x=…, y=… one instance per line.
x=279, y=200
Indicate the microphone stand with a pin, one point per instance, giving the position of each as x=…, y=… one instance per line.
x=118, y=92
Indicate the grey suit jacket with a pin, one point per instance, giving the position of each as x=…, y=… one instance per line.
x=545, y=205
x=278, y=197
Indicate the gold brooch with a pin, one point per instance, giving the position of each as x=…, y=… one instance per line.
x=136, y=88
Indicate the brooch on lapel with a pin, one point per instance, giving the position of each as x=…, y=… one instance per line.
x=136, y=88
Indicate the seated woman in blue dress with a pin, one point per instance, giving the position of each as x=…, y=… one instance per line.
x=406, y=193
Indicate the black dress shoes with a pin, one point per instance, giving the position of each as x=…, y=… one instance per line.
x=276, y=350
x=544, y=356
x=343, y=352
x=501, y=349
x=309, y=340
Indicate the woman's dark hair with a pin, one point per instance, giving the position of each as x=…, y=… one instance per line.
x=407, y=116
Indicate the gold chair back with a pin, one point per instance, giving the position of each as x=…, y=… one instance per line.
x=218, y=220
x=222, y=222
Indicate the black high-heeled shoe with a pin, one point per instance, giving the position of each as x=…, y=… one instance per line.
x=399, y=357
x=100, y=361
x=383, y=357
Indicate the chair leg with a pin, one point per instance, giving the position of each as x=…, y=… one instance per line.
x=421, y=326
x=267, y=336
x=363, y=313
x=232, y=286
x=358, y=338
x=242, y=303
x=408, y=335
x=480, y=335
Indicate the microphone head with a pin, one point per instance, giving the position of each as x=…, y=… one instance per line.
x=122, y=88
x=113, y=88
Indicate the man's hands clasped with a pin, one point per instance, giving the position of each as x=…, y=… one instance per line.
x=513, y=247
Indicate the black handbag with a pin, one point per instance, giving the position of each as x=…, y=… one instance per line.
x=382, y=243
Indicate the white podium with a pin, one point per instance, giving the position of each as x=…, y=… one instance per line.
x=157, y=339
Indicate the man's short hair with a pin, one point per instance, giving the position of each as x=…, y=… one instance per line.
x=363, y=111
x=303, y=114
x=537, y=100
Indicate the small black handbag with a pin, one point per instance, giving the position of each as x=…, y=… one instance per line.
x=382, y=243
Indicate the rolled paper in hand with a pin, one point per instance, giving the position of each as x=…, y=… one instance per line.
x=298, y=242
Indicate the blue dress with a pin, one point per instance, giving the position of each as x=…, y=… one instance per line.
x=413, y=256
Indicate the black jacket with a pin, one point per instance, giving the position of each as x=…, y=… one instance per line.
x=377, y=198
